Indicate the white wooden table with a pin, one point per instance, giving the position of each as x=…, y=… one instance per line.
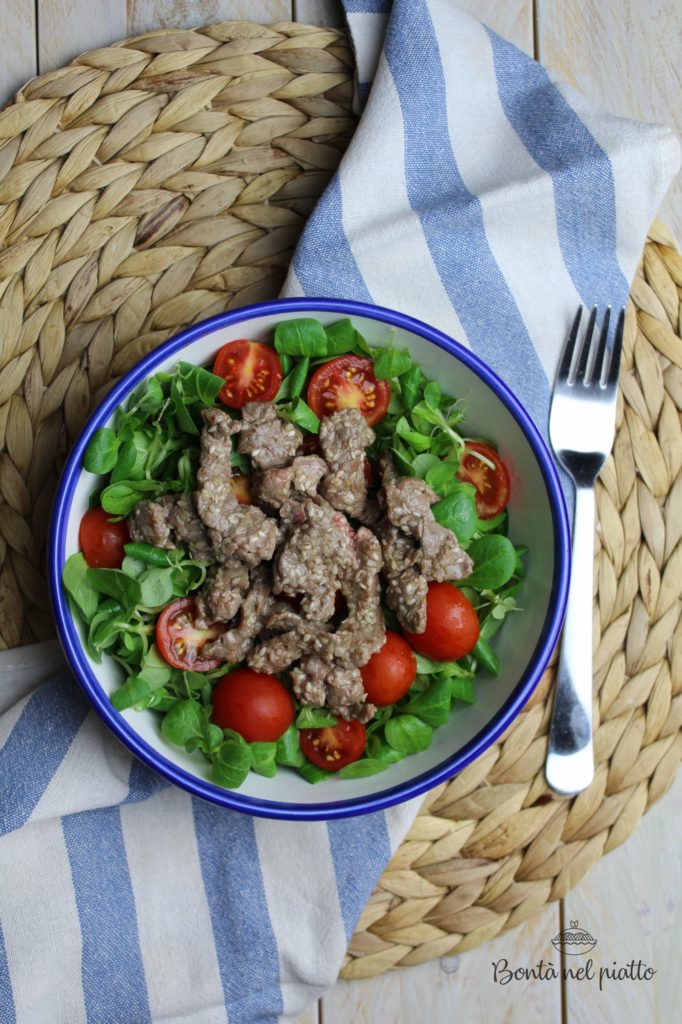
x=625, y=55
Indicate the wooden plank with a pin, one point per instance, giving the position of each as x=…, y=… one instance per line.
x=458, y=988
x=310, y=1016
x=632, y=905
x=147, y=15
x=319, y=12
x=623, y=54
x=69, y=27
x=18, y=34
x=513, y=19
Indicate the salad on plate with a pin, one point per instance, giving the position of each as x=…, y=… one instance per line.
x=298, y=558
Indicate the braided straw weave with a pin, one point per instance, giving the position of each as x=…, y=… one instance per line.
x=162, y=180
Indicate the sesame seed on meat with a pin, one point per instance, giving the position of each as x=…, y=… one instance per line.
x=343, y=439
x=221, y=596
x=417, y=550
x=268, y=440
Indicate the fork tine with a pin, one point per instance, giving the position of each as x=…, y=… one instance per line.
x=564, y=367
x=598, y=349
x=610, y=379
x=585, y=349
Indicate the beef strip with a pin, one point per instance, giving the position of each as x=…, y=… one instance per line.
x=406, y=596
x=241, y=532
x=221, y=596
x=280, y=651
x=235, y=644
x=149, y=523
x=441, y=557
x=269, y=441
x=363, y=631
x=343, y=439
x=309, y=681
x=328, y=673
x=274, y=486
x=408, y=506
x=308, y=471
x=321, y=684
x=408, y=503
x=416, y=549
x=407, y=587
x=189, y=529
x=312, y=560
x=247, y=534
x=215, y=497
x=399, y=551
x=170, y=521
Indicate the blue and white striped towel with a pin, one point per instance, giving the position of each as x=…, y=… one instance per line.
x=477, y=195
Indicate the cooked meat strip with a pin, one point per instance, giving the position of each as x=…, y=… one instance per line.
x=215, y=497
x=407, y=587
x=320, y=684
x=148, y=523
x=246, y=533
x=363, y=631
x=408, y=506
x=241, y=532
x=328, y=674
x=314, y=557
x=269, y=441
x=343, y=439
x=441, y=557
x=220, y=597
x=281, y=651
x=308, y=471
x=169, y=521
x=189, y=529
x=416, y=549
x=274, y=486
x=235, y=644
x=399, y=551
x=406, y=595
x=345, y=692
x=408, y=502
x=309, y=681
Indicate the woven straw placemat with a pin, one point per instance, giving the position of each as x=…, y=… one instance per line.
x=162, y=180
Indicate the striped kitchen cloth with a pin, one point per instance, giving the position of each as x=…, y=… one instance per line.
x=479, y=196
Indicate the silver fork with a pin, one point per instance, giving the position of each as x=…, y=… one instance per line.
x=581, y=428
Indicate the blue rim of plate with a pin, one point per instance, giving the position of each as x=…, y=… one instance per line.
x=232, y=799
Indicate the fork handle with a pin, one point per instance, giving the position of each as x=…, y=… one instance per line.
x=570, y=759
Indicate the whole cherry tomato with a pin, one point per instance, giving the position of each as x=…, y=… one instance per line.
x=452, y=626
x=390, y=672
x=102, y=540
x=257, y=706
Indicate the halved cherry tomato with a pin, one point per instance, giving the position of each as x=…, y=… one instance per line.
x=335, y=746
x=251, y=370
x=241, y=488
x=348, y=382
x=180, y=641
x=102, y=540
x=257, y=706
x=452, y=625
x=390, y=672
x=492, y=485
